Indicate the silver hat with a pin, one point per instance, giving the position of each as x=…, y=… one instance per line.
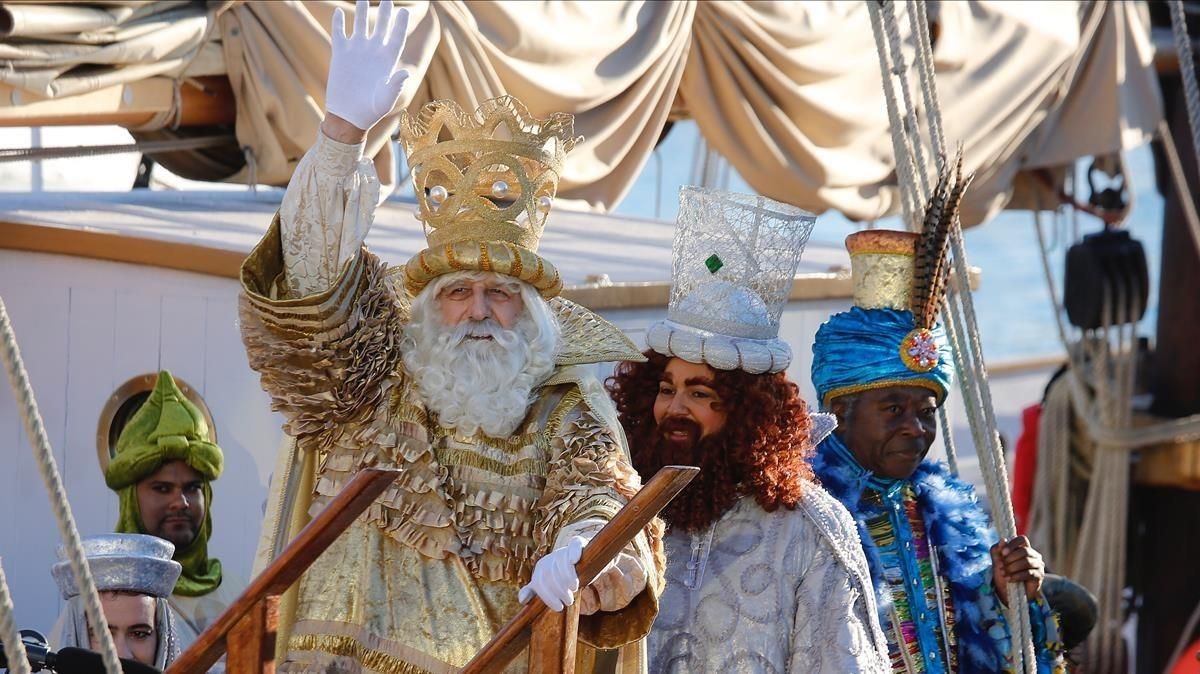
x=735, y=257
x=130, y=562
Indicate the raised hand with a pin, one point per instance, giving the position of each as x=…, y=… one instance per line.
x=364, y=84
x=1016, y=561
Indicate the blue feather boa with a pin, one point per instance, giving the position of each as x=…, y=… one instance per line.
x=958, y=529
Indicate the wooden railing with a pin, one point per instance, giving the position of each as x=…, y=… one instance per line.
x=247, y=628
x=551, y=636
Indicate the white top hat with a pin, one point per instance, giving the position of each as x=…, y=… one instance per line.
x=129, y=562
x=735, y=256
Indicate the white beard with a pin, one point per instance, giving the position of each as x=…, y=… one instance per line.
x=477, y=384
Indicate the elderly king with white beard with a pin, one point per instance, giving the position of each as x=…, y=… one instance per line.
x=463, y=369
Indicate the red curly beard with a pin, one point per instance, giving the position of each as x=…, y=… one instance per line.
x=762, y=450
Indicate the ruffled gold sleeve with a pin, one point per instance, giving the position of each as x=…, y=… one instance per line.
x=325, y=214
x=588, y=481
x=323, y=357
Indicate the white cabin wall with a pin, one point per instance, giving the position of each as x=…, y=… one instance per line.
x=27, y=528
x=84, y=328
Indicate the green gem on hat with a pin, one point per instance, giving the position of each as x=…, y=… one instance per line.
x=714, y=263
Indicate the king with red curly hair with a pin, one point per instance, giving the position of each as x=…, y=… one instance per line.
x=748, y=433
x=765, y=571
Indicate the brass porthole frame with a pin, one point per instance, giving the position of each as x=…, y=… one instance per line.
x=140, y=384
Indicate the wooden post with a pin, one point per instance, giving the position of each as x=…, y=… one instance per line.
x=1165, y=582
x=252, y=640
x=1176, y=375
x=552, y=643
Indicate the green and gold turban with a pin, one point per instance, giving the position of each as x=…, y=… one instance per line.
x=168, y=427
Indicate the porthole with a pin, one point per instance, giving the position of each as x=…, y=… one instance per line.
x=127, y=400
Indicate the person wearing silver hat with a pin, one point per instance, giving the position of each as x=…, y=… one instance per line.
x=134, y=575
x=765, y=571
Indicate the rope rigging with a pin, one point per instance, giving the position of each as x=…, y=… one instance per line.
x=1097, y=390
x=35, y=429
x=958, y=311
x=1191, y=90
x=144, y=147
x=10, y=636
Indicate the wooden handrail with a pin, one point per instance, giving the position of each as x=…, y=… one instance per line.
x=279, y=575
x=664, y=486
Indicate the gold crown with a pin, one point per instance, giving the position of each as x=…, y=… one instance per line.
x=478, y=176
x=485, y=180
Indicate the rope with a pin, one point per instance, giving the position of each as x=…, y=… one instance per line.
x=144, y=147
x=916, y=156
x=994, y=470
x=907, y=183
x=698, y=150
x=961, y=325
x=1184, y=638
x=1179, y=182
x=1100, y=554
x=1097, y=551
x=953, y=328
x=1187, y=68
x=251, y=169
x=1162, y=432
x=948, y=439
x=44, y=455
x=905, y=178
x=658, y=183
x=913, y=185
x=919, y=22
x=1048, y=521
x=10, y=636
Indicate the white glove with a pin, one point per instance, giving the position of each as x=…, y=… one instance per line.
x=554, y=578
x=364, y=84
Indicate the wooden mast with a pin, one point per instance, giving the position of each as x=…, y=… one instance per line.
x=1165, y=582
x=203, y=101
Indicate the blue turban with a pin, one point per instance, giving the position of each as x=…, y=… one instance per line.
x=864, y=349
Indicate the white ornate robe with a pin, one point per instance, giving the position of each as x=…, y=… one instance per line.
x=759, y=592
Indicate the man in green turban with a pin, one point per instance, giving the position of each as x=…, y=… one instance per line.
x=163, y=471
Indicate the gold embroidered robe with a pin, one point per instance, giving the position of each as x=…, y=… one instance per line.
x=431, y=571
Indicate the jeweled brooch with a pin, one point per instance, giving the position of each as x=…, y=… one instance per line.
x=919, y=350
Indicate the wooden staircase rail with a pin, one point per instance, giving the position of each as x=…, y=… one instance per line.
x=260, y=598
x=536, y=623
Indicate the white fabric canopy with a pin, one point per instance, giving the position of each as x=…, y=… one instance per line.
x=789, y=92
